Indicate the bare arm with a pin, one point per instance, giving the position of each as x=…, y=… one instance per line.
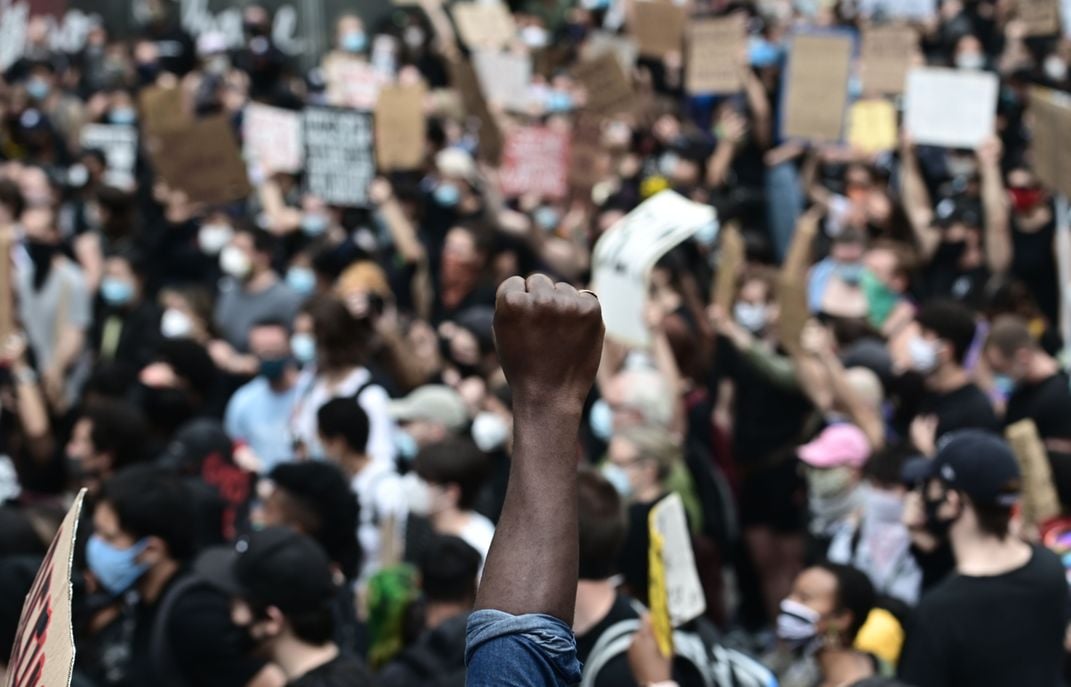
x=998, y=243
x=917, y=202
x=762, y=121
x=549, y=340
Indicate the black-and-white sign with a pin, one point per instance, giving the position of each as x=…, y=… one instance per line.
x=339, y=157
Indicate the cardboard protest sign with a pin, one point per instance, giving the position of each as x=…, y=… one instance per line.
x=731, y=258
x=484, y=25
x=43, y=651
x=608, y=87
x=676, y=595
x=401, y=129
x=1040, y=17
x=586, y=153
x=658, y=27
x=954, y=108
x=714, y=48
x=625, y=254
x=792, y=284
x=1040, y=501
x=353, y=83
x=1050, y=147
x=7, y=289
x=504, y=77
x=203, y=161
x=464, y=79
x=816, y=87
x=162, y=110
x=913, y=10
x=872, y=126
x=272, y=138
x=535, y=160
x=887, y=54
x=119, y=144
x=600, y=43
x=339, y=161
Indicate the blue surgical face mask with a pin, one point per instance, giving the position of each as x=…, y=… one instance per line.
x=406, y=445
x=707, y=234
x=353, y=41
x=116, y=569
x=559, y=101
x=601, y=420
x=616, y=475
x=116, y=291
x=123, y=115
x=303, y=346
x=37, y=88
x=850, y=273
x=447, y=195
x=546, y=218
x=1004, y=384
x=301, y=279
x=313, y=224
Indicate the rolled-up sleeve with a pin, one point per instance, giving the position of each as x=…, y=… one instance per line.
x=520, y=651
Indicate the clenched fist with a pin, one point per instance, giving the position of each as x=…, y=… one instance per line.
x=549, y=340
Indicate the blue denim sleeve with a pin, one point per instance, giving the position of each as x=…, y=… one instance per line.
x=520, y=651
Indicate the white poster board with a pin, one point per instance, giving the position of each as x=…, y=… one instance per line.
x=119, y=144
x=504, y=77
x=953, y=108
x=914, y=10
x=272, y=138
x=684, y=594
x=625, y=254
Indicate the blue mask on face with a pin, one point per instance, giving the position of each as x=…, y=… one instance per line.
x=116, y=292
x=37, y=88
x=123, y=115
x=353, y=41
x=851, y=274
x=1004, y=385
x=447, y=195
x=601, y=420
x=559, y=101
x=406, y=445
x=546, y=218
x=301, y=279
x=116, y=569
x=314, y=224
x=303, y=346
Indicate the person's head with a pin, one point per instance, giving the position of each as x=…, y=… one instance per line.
x=121, y=285
x=281, y=588
x=448, y=571
x=430, y=414
x=109, y=435
x=834, y=460
x=890, y=264
x=141, y=523
x=640, y=460
x=946, y=332
x=447, y=477
x=969, y=53
x=827, y=606
x=754, y=308
x=269, y=341
x=639, y=397
x=342, y=340
x=187, y=313
x=315, y=499
x=1009, y=351
x=11, y=202
x=603, y=525
x=248, y=254
x=464, y=253
x=343, y=427
x=973, y=487
x=350, y=35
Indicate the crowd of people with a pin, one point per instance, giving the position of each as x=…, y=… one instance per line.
x=296, y=432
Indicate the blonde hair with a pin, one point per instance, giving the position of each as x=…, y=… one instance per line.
x=655, y=444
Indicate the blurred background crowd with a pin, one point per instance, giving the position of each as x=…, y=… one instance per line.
x=315, y=377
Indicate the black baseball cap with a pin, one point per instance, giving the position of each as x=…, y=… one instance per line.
x=275, y=566
x=979, y=464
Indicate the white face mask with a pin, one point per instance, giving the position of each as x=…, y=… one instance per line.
x=830, y=482
x=797, y=625
x=418, y=495
x=534, y=36
x=489, y=431
x=175, y=324
x=750, y=316
x=234, y=262
x=213, y=237
x=923, y=355
x=970, y=60
x=1055, y=68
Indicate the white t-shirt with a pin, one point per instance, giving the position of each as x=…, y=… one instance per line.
x=380, y=495
x=478, y=533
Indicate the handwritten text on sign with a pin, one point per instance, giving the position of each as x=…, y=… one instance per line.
x=536, y=160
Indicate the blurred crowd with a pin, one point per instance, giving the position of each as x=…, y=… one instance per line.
x=296, y=437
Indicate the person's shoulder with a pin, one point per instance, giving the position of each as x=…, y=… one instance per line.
x=1046, y=566
x=342, y=671
x=249, y=392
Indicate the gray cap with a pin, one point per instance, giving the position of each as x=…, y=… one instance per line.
x=434, y=403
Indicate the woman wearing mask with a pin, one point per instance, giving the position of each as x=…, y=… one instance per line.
x=817, y=626
x=342, y=344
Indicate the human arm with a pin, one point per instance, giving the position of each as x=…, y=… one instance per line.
x=30, y=405
x=917, y=201
x=998, y=243
x=282, y=219
x=759, y=104
x=732, y=127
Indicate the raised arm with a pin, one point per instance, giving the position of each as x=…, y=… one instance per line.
x=549, y=340
x=998, y=244
x=917, y=202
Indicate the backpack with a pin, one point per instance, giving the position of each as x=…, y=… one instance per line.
x=163, y=658
x=716, y=665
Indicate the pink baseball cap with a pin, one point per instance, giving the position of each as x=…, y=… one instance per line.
x=838, y=445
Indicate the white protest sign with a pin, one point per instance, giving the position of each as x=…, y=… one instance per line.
x=953, y=108
x=339, y=158
x=899, y=9
x=504, y=77
x=119, y=144
x=625, y=254
x=43, y=652
x=272, y=138
x=678, y=576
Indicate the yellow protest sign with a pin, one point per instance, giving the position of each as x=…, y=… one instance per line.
x=872, y=126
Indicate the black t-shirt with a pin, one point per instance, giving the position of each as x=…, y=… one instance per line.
x=341, y=671
x=994, y=631
x=1047, y=403
x=964, y=408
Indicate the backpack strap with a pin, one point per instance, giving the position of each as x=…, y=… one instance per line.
x=614, y=641
x=163, y=658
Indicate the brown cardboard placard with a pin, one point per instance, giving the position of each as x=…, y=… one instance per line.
x=1040, y=17
x=601, y=42
x=608, y=87
x=535, y=159
x=658, y=27
x=484, y=25
x=816, y=95
x=731, y=257
x=163, y=110
x=886, y=57
x=464, y=78
x=401, y=128
x=714, y=48
x=586, y=153
x=7, y=289
x=1050, y=148
x=1040, y=501
x=792, y=284
x=203, y=161
x=43, y=651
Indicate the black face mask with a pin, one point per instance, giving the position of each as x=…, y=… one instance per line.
x=950, y=252
x=935, y=524
x=41, y=255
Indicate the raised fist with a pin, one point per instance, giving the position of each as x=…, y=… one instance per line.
x=549, y=340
